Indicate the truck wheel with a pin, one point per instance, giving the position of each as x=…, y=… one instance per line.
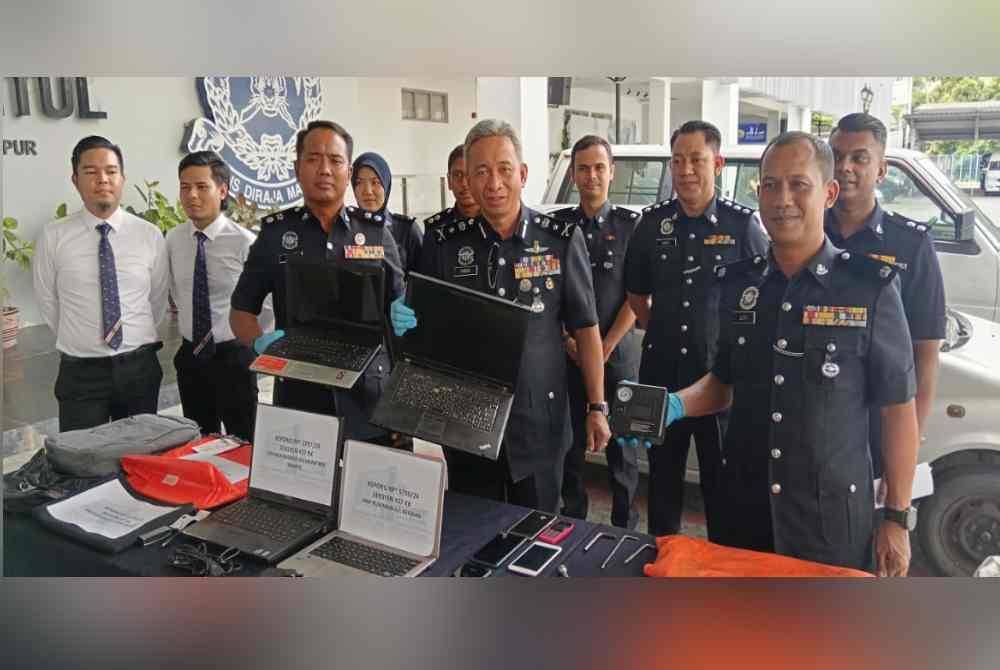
x=959, y=526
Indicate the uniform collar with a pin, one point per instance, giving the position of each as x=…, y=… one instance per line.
x=819, y=267
x=872, y=223
x=305, y=215
x=212, y=229
x=711, y=213
x=603, y=214
x=91, y=221
x=520, y=232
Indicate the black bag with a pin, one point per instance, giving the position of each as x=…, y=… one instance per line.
x=37, y=482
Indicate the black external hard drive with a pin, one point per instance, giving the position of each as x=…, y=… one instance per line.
x=638, y=410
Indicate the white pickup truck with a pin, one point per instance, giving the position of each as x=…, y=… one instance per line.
x=959, y=525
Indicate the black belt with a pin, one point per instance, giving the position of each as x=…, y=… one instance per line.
x=219, y=346
x=152, y=347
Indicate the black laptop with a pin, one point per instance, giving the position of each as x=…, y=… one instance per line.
x=457, y=370
x=334, y=324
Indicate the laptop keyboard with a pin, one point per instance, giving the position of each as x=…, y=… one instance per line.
x=282, y=524
x=453, y=400
x=364, y=557
x=322, y=351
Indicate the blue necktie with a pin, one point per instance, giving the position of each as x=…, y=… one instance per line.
x=201, y=329
x=111, y=309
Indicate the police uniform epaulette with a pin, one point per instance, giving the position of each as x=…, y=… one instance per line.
x=434, y=218
x=624, y=213
x=292, y=213
x=903, y=222
x=403, y=217
x=734, y=206
x=555, y=226
x=740, y=267
x=454, y=228
x=662, y=203
x=868, y=267
x=364, y=215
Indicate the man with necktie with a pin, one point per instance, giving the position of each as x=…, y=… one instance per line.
x=101, y=281
x=206, y=255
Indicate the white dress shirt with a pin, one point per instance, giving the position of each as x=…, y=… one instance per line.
x=226, y=249
x=68, y=287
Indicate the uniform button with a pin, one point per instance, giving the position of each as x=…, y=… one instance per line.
x=775, y=488
x=590, y=236
x=380, y=368
x=691, y=236
x=786, y=306
x=684, y=351
x=831, y=347
x=782, y=343
x=502, y=292
x=688, y=281
x=779, y=379
x=741, y=340
x=776, y=417
x=649, y=346
x=690, y=259
x=776, y=453
x=723, y=462
x=853, y=488
x=684, y=327
x=686, y=304
x=551, y=395
x=611, y=253
x=663, y=257
x=718, y=257
x=502, y=262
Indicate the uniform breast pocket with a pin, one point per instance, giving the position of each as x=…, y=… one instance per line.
x=739, y=351
x=834, y=358
x=667, y=260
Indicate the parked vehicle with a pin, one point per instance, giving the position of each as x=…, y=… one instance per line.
x=991, y=177
x=959, y=525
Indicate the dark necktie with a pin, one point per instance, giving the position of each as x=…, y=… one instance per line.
x=204, y=344
x=111, y=309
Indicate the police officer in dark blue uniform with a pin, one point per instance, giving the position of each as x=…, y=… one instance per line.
x=515, y=253
x=372, y=182
x=606, y=229
x=810, y=337
x=857, y=223
x=670, y=260
x=322, y=229
x=465, y=206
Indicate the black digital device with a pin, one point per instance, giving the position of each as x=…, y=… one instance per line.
x=638, y=410
x=532, y=524
x=499, y=550
x=475, y=570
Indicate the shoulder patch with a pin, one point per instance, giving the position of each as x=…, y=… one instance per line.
x=867, y=267
x=454, y=229
x=554, y=226
x=740, y=267
x=906, y=223
x=735, y=207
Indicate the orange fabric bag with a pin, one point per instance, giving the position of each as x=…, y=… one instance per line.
x=169, y=478
x=681, y=556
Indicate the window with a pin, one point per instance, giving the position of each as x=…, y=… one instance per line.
x=739, y=182
x=899, y=193
x=425, y=106
x=637, y=182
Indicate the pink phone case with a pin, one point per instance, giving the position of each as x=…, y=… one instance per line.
x=552, y=537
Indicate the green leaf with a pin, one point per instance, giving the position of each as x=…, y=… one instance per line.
x=61, y=211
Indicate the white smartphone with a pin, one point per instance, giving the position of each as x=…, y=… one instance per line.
x=533, y=561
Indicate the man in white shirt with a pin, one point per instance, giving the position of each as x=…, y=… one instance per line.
x=206, y=258
x=101, y=281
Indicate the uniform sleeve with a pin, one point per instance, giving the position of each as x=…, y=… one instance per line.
x=923, y=294
x=414, y=245
x=721, y=367
x=579, y=303
x=638, y=260
x=394, y=267
x=159, y=281
x=756, y=240
x=43, y=270
x=891, y=376
x=256, y=281
x=429, y=262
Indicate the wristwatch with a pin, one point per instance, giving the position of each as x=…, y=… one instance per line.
x=907, y=518
x=601, y=407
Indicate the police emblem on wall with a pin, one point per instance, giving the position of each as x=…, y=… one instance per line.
x=252, y=122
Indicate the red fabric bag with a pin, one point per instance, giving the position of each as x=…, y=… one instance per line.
x=169, y=478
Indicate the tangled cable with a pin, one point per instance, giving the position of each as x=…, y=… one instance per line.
x=196, y=559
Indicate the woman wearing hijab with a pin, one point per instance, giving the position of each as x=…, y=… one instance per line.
x=372, y=183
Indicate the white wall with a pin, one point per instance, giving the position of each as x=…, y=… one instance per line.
x=146, y=116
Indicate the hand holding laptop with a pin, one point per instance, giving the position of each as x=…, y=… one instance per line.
x=267, y=339
x=403, y=317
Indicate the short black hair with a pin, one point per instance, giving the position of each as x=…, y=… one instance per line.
x=209, y=159
x=822, y=152
x=860, y=122
x=588, y=141
x=456, y=153
x=95, y=142
x=300, y=138
x=713, y=137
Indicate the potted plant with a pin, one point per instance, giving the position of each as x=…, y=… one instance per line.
x=16, y=250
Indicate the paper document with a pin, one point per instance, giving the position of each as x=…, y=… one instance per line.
x=231, y=470
x=218, y=446
x=107, y=510
x=923, y=483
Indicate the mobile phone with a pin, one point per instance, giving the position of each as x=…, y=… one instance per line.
x=499, y=549
x=474, y=570
x=557, y=532
x=535, y=559
x=532, y=524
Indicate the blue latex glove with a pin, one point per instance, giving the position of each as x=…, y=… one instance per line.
x=674, y=411
x=266, y=340
x=402, y=316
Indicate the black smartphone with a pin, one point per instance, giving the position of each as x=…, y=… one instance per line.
x=474, y=570
x=499, y=549
x=532, y=524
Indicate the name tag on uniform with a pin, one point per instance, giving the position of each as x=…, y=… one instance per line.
x=891, y=260
x=537, y=266
x=825, y=315
x=719, y=240
x=368, y=253
x=740, y=316
x=463, y=271
x=666, y=241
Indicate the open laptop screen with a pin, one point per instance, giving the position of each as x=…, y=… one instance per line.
x=464, y=329
x=320, y=295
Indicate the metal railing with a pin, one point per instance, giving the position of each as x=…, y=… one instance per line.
x=418, y=195
x=965, y=171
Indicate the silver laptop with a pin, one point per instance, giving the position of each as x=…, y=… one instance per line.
x=390, y=512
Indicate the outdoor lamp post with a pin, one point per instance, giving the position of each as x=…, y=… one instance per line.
x=867, y=95
x=618, y=107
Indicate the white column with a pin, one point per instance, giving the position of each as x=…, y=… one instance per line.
x=799, y=118
x=657, y=131
x=523, y=103
x=720, y=105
